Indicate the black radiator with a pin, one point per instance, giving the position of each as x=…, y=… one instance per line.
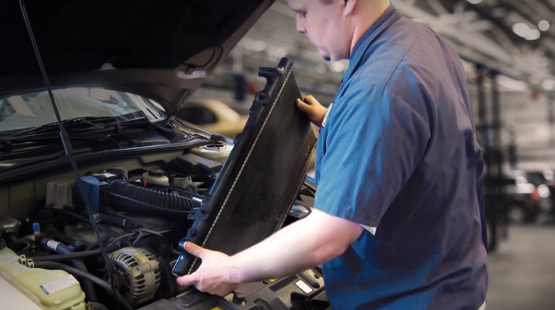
x=259, y=181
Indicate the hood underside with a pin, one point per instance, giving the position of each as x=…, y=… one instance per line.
x=160, y=49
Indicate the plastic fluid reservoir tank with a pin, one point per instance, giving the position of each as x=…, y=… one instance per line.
x=156, y=177
x=49, y=289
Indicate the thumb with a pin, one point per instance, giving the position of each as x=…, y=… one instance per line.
x=187, y=280
x=194, y=249
x=303, y=105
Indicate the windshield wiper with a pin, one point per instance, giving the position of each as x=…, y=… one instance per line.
x=82, y=124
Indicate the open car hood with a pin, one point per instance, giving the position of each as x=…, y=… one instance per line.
x=163, y=50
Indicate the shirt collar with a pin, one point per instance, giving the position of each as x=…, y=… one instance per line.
x=388, y=18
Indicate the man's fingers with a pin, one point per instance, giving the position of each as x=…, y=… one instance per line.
x=194, y=249
x=186, y=280
x=310, y=100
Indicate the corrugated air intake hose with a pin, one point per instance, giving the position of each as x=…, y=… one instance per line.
x=123, y=196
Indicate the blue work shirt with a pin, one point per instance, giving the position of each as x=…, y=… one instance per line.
x=398, y=154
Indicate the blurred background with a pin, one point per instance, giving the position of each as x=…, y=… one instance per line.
x=508, y=50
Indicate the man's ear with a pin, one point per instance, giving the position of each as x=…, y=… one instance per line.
x=349, y=6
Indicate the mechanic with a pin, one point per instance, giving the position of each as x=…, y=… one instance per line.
x=398, y=221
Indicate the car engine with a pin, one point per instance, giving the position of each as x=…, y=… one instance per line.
x=143, y=207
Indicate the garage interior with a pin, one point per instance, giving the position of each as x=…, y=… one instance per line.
x=508, y=50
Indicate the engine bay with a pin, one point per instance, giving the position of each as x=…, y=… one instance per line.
x=143, y=206
x=116, y=223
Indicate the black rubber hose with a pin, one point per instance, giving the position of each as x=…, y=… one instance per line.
x=123, y=196
x=88, y=286
x=96, y=280
x=14, y=240
x=77, y=255
x=18, y=244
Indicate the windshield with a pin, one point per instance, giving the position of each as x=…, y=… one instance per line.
x=34, y=109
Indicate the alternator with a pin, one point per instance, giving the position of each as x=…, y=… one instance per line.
x=140, y=269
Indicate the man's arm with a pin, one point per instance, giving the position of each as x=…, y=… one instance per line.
x=304, y=244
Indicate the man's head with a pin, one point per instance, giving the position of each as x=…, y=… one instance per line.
x=336, y=26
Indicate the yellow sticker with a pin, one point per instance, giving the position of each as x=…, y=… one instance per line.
x=273, y=280
x=216, y=308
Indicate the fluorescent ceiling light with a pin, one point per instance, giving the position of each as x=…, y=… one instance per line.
x=534, y=34
x=254, y=45
x=276, y=53
x=337, y=66
x=535, y=79
x=474, y=1
x=259, y=46
x=543, y=25
x=548, y=84
x=511, y=84
x=521, y=29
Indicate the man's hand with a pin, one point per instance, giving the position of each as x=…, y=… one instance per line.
x=314, y=110
x=214, y=274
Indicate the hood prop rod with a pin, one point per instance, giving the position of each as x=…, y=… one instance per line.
x=69, y=153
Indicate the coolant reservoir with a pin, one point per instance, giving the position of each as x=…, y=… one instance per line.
x=48, y=289
x=156, y=177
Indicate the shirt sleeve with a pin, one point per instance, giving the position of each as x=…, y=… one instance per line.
x=373, y=142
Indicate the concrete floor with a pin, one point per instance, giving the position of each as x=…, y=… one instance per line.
x=522, y=269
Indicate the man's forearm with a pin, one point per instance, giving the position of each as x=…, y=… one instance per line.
x=306, y=243
x=297, y=247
